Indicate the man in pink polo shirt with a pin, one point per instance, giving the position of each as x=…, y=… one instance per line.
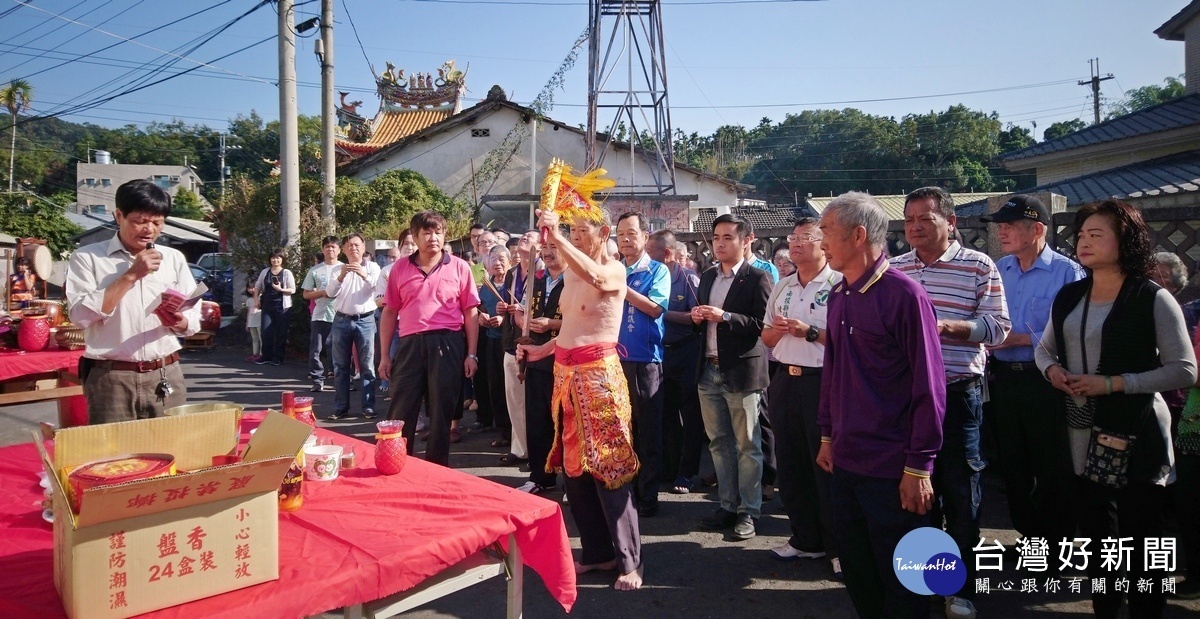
x=432, y=300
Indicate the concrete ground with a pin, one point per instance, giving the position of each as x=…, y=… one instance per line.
x=689, y=573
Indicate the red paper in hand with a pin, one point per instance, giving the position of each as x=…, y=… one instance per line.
x=172, y=300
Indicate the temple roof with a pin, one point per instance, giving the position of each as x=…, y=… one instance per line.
x=392, y=126
x=407, y=105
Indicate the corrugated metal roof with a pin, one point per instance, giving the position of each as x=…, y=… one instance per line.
x=1181, y=112
x=175, y=228
x=762, y=218
x=893, y=205
x=1178, y=173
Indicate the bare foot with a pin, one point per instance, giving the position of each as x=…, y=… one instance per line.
x=603, y=567
x=629, y=582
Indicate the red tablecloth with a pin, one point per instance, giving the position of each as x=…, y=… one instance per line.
x=15, y=363
x=357, y=539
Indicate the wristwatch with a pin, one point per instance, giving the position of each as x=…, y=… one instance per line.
x=812, y=334
x=726, y=317
x=475, y=357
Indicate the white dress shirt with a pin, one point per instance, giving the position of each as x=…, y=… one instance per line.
x=131, y=332
x=354, y=295
x=716, y=298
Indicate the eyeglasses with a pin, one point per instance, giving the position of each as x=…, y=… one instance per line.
x=803, y=238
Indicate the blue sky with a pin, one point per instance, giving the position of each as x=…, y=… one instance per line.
x=790, y=56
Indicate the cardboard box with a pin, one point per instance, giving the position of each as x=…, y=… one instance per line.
x=149, y=544
x=18, y=386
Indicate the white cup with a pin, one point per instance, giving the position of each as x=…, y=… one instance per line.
x=322, y=462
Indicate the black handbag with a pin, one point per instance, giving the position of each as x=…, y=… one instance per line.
x=1108, y=458
x=1108, y=453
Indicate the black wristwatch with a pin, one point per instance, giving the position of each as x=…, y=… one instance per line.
x=812, y=334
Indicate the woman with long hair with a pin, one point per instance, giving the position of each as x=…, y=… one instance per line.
x=275, y=287
x=1115, y=340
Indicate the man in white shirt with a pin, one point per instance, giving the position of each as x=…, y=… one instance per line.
x=795, y=328
x=321, y=327
x=131, y=367
x=353, y=287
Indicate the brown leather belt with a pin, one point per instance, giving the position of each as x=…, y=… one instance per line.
x=138, y=366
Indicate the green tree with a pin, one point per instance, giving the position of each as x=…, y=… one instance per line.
x=16, y=98
x=187, y=205
x=392, y=198
x=22, y=215
x=1063, y=127
x=1014, y=138
x=1147, y=96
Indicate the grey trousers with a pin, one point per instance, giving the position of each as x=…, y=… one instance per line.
x=126, y=395
x=607, y=522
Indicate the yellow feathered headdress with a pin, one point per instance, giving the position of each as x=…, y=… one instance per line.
x=571, y=196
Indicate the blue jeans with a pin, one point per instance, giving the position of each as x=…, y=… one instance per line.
x=957, y=483
x=361, y=335
x=319, y=333
x=731, y=421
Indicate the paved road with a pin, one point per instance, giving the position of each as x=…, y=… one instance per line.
x=689, y=573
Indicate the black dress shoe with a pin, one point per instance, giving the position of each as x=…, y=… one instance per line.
x=719, y=519
x=648, y=509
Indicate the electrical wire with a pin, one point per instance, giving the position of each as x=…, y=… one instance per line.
x=353, y=28
x=108, y=47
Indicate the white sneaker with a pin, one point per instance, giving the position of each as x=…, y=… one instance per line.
x=959, y=608
x=787, y=553
x=531, y=488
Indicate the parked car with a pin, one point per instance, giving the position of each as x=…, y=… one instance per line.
x=220, y=286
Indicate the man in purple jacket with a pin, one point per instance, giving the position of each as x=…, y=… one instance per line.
x=883, y=400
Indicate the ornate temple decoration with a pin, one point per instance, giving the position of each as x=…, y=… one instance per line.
x=408, y=104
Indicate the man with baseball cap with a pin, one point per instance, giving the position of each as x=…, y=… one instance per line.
x=1031, y=438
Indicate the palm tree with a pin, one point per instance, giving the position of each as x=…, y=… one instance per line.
x=16, y=96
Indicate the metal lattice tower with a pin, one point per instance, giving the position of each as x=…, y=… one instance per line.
x=627, y=83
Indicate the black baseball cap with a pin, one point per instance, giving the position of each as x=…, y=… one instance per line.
x=1019, y=206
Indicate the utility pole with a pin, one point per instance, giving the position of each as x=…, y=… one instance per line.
x=289, y=138
x=1094, y=69
x=224, y=168
x=328, y=120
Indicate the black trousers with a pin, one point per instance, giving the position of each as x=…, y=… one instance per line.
x=803, y=486
x=493, y=358
x=483, y=399
x=646, y=400
x=1034, y=458
x=1134, y=511
x=539, y=425
x=607, y=522
x=767, y=433
x=683, y=426
x=428, y=367
x=869, y=523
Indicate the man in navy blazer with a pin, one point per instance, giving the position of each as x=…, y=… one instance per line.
x=733, y=374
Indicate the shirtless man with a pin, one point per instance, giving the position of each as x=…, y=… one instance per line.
x=590, y=394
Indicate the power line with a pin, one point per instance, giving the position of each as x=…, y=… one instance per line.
x=149, y=47
x=108, y=47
